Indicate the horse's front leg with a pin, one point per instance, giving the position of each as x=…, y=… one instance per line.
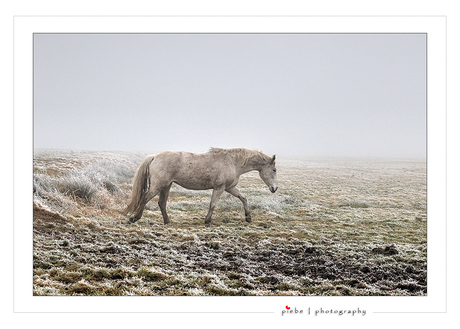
x=216, y=193
x=235, y=192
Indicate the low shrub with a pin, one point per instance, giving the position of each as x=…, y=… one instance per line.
x=92, y=184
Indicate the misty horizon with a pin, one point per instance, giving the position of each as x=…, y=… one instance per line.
x=294, y=95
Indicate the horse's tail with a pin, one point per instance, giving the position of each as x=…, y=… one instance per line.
x=141, y=185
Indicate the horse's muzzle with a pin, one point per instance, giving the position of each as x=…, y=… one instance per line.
x=273, y=189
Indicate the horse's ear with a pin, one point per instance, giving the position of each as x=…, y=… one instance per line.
x=273, y=159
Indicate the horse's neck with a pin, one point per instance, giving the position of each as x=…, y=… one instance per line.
x=248, y=166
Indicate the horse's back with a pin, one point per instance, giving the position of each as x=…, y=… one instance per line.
x=176, y=160
x=192, y=170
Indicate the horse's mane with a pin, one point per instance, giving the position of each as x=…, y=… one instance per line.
x=242, y=155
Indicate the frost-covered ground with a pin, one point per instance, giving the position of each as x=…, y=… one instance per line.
x=335, y=227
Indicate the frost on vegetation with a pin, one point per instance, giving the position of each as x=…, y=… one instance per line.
x=383, y=205
x=91, y=184
x=274, y=204
x=109, y=171
x=357, y=203
x=196, y=292
x=46, y=291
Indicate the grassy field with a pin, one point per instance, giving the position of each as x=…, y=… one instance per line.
x=335, y=227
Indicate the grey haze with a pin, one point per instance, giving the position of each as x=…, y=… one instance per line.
x=289, y=94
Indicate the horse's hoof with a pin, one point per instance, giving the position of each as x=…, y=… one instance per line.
x=207, y=223
x=248, y=219
x=133, y=220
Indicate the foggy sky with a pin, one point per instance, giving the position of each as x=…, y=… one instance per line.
x=284, y=94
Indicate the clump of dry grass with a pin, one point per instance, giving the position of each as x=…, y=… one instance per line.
x=66, y=182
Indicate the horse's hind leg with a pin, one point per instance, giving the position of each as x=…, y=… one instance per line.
x=215, y=196
x=162, y=203
x=235, y=192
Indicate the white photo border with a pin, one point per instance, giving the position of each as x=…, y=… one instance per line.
x=26, y=26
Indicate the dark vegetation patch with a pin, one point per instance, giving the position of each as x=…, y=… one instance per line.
x=388, y=250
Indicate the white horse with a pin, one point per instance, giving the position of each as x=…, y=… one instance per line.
x=217, y=169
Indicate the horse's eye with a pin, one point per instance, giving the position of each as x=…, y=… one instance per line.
x=274, y=170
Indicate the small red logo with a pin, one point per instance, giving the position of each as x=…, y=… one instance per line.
x=293, y=311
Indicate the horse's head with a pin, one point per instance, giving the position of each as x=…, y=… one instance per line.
x=268, y=175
